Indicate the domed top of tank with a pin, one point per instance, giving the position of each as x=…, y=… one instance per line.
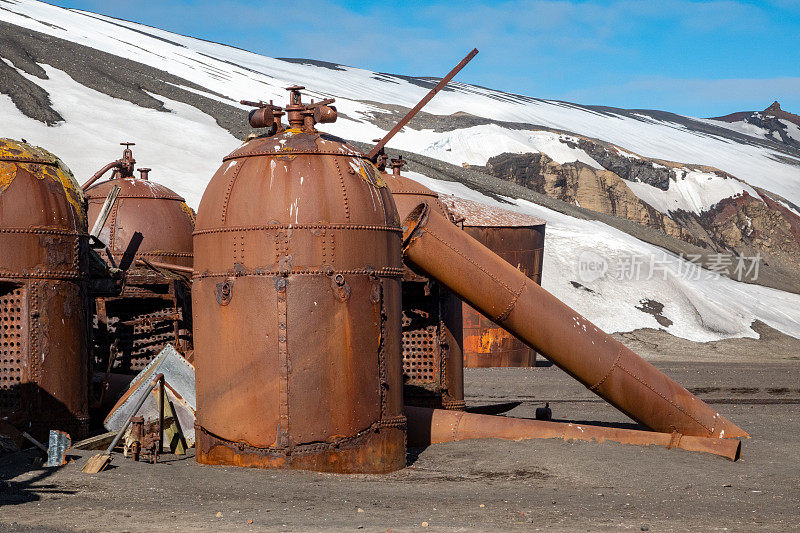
x=155, y=211
x=37, y=189
x=296, y=176
x=408, y=193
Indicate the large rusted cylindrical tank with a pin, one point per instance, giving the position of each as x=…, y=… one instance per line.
x=517, y=238
x=433, y=371
x=296, y=300
x=43, y=297
x=154, y=308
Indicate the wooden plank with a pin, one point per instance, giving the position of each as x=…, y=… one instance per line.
x=98, y=442
x=173, y=432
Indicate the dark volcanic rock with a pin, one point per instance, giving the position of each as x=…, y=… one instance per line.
x=106, y=73
x=770, y=120
x=29, y=98
x=627, y=168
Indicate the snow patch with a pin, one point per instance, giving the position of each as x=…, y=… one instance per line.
x=691, y=190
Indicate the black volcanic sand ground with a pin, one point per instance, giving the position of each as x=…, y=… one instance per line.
x=486, y=485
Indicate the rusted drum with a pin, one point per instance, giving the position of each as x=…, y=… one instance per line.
x=519, y=239
x=43, y=301
x=158, y=213
x=433, y=369
x=296, y=300
x=154, y=308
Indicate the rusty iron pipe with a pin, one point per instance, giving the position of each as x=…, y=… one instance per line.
x=434, y=426
x=99, y=174
x=373, y=154
x=167, y=266
x=518, y=304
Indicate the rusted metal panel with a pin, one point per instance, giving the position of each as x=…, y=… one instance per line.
x=511, y=299
x=433, y=426
x=517, y=238
x=43, y=292
x=153, y=309
x=432, y=325
x=297, y=306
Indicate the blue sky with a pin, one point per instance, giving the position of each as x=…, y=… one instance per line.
x=696, y=58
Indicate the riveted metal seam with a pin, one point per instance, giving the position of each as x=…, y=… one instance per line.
x=395, y=192
x=594, y=387
x=113, y=222
x=283, y=354
x=344, y=443
x=269, y=227
x=384, y=272
x=272, y=153
x=454, y=427
x=382, y=373
x=228, y=191
x=668, y=400
x=15, y=159
x=154, y=196
x=505, y=314
x=344, y=189
x=35, y=315
x=42, y=231
x=42, y=274
x=470, y=260
x=157, y=253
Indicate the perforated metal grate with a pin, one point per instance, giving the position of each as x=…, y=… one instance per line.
x=13, y=330
x=419, y=354
x=141, y=327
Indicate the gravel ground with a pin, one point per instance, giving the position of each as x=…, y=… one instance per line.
x=486, y=485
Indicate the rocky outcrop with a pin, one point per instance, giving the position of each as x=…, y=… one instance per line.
x=603, y=191
x=770, y=120
x=742, y=225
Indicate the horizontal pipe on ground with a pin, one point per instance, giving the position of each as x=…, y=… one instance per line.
x=435, y=426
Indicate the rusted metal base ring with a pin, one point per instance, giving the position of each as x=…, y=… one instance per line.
x=341, y=444
x=375, y=450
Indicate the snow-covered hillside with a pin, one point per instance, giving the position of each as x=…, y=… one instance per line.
x=465, y=124
x=230, y=74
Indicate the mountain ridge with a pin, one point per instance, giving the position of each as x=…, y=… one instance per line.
x=80, y=83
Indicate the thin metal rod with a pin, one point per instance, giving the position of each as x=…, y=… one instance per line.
x=439, y=86
x=166, y=266
x=161, y=415
x=144, y=396
x=105, y=211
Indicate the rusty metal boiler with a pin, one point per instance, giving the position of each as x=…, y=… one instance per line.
x=432, y=362
x=296, y=300
x=517, y=238
x=43, y=293
x=154, y=308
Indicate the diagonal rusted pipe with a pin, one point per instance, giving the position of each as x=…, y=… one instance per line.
x=515, y=302
x=433, y=426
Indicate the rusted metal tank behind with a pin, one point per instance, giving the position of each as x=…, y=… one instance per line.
x=160, y=214
x=296, y=300
x=154, y=309
x=43, y=297
x=517, y=238
x=433, y=372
